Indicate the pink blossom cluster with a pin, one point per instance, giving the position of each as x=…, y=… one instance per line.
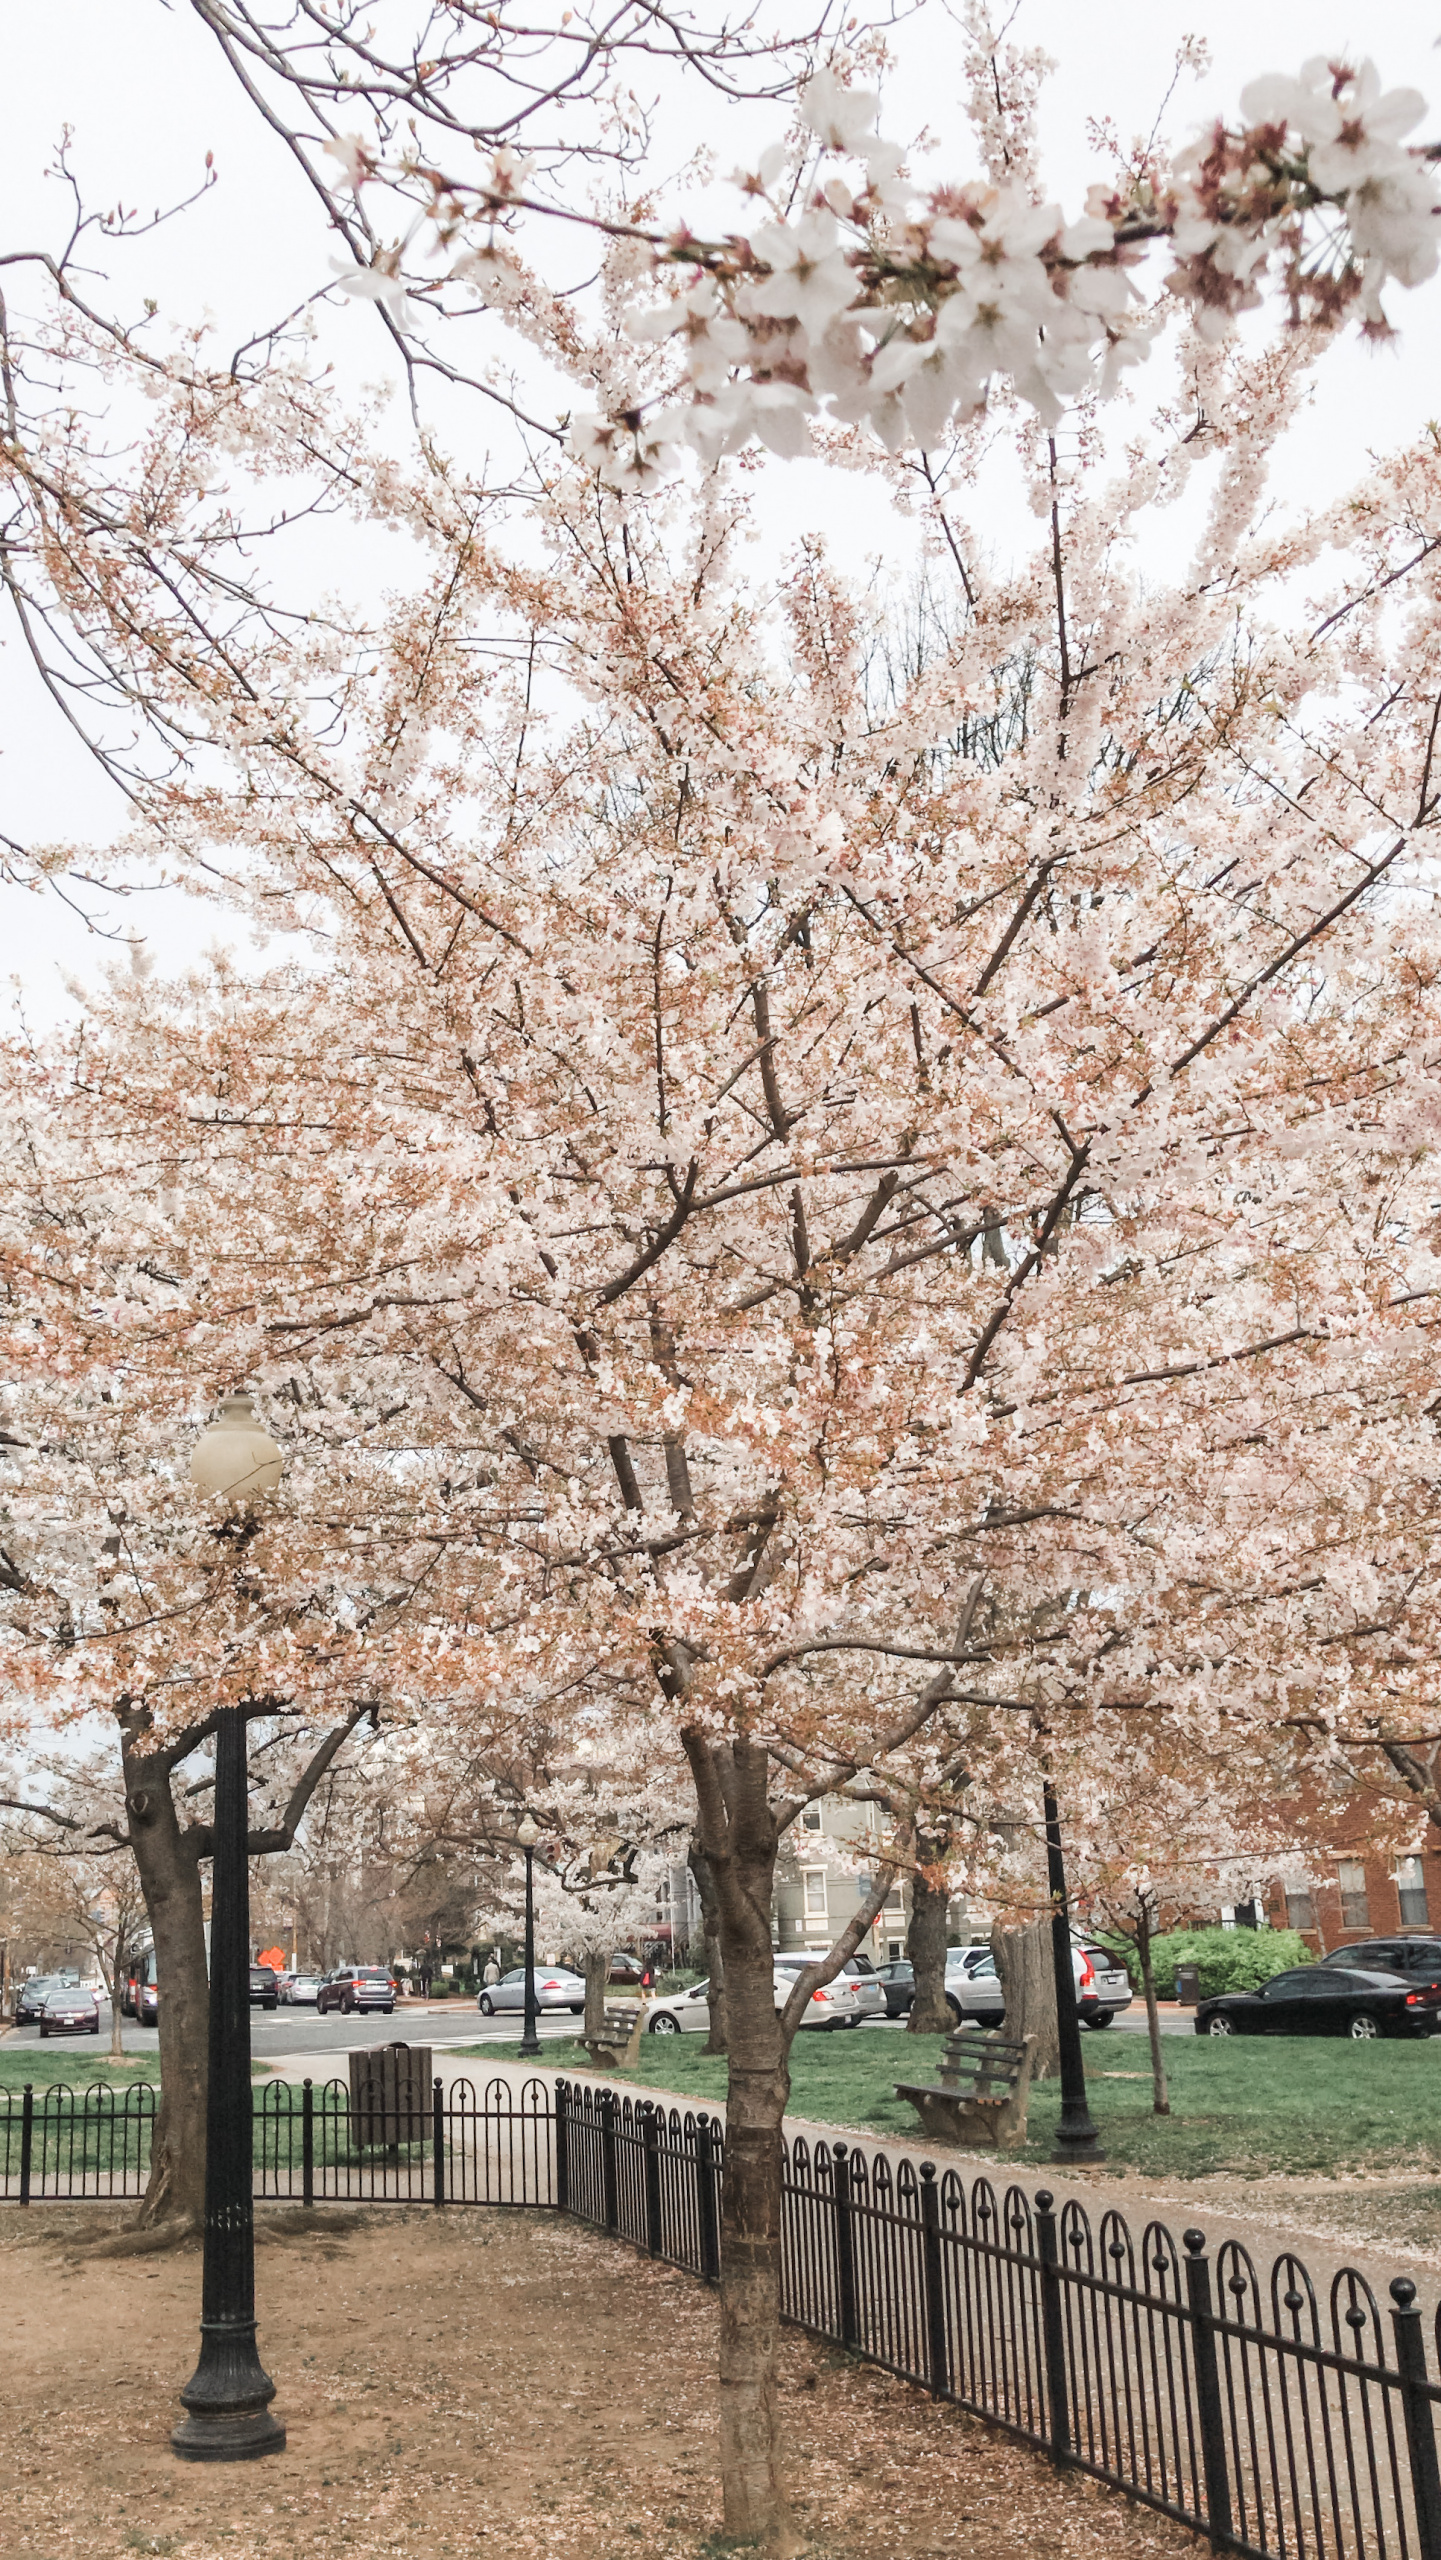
x=871, y=308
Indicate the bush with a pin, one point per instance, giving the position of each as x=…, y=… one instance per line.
x=1228, y=1959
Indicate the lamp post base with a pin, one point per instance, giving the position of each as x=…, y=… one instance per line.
x=1081, y=2144
x=227, y=2412
x=227, y=2435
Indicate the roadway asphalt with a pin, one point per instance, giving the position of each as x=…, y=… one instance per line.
x=277, y=2034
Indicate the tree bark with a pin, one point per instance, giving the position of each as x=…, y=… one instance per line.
x=740, y=1840
x=168, y=1860
x=926, y=1947
x=597, y=1975
x=716, y=2040
x=1161, y=2096
x=1028, y=1986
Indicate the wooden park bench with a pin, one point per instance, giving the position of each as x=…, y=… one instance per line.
x=982, y=2093
x=618, y=2043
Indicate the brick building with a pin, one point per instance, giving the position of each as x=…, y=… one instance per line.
x=1354, y=1891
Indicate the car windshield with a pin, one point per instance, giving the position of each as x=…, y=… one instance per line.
x=70, y=1997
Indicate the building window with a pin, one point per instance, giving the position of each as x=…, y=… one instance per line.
x=1355, y=1909
x=815, y=1884
x=1300, y=1909
x=1411, y=1893
x=811, y=1818
x=896, y=1899
x=895, y=1949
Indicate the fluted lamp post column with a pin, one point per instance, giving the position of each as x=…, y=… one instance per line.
x=527, y=1833
x=227, y=2399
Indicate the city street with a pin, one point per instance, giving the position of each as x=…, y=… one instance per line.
x=278, y=2034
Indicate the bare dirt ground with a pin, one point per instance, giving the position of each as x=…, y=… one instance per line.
x=475, y=2384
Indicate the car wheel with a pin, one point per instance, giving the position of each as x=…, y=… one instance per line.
x=44, y=2032
x=1102, y=2018
x=1219, y=2027
x=390, y=2008
x=347, y=2008
x=486, y=2005
x=853, y=2022
x=577, y=2008
x=95, y=2030
x=665, y=2025
x=956, y=2010
x=1362, y=2028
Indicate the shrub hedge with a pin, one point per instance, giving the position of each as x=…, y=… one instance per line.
x=1228, y=1959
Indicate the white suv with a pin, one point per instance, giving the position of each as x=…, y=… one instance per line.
x=973, y=1986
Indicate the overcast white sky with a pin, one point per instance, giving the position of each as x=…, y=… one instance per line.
x=145, y=96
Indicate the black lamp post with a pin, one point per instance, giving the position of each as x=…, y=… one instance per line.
x=528, y=1834
x=1076, y=2136
x=227, y=2398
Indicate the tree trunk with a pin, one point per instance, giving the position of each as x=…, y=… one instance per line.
x=170, y=1881
x=714, y=1954
x=115, y=1973
x=926, y=1947
x=740, y=1841
x=597, y=1975
x=1026, y=1966
x=1161, y=2096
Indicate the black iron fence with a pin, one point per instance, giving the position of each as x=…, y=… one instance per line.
x=1284, y=2424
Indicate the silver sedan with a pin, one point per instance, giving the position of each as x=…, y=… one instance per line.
x=556, y=1987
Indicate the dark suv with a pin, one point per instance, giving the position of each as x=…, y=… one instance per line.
x=356, y=1986
x=264, y=1987
x=1418, y=1959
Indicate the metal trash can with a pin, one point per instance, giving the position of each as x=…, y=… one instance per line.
x=390, y=2096
x=1188, y=1985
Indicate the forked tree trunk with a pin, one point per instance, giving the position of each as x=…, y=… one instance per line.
x=1161, y=2095
x=740, y=1843
x=1025, y=1964
x=926, y=1947
x=597, y=1975
x=714, y=1955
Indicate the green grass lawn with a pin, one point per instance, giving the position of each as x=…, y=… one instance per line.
x=79, y=2062
x=1240, y=2108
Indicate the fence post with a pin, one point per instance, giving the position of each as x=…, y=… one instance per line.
x=307, y=2143
x=1209, y=2412
x=706, y=2201
x=650, y=2122
x=1420, y=2417
x=607, y=2158
x=1053, y=2327
x=27, y=2137
x=845, y=2247
x=438, y=2143
x=937, y=2354
x=562, y=2146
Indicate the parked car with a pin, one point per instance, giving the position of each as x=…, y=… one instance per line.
x=631, y=1972
x=683, y=2013
x=70, y=2011
x=301, y=1991
x=835, y=2004
x=355, y=1986
x=1325, y=2000
x=557, y=1986
x=32, y=1996
x=898, y=1981
x=264, y=1987
x=858, y=1972
x=973, y=1986
x=1418, y=1959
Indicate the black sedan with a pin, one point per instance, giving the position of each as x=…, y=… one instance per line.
x=898, y=1981
x=30, y=2002
x=1325, y=2000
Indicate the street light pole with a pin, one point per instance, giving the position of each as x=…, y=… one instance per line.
x=1076, y=2135
x=528, y=1834
x=227, y=2399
